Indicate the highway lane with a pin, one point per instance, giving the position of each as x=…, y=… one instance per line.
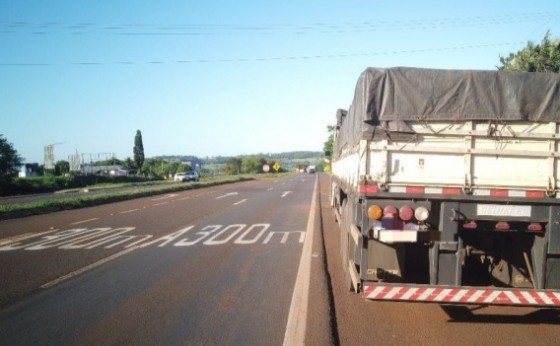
x=208, y=266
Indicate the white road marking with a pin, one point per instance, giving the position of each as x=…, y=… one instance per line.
x=227, y=195
x=297, y=319
x=17, y=238
x=129, y=211
x=270, y=189
x=241, y=201
x=286, y=193
x=171, y=195
x=159, y=204
x=87, y=268
x=84, y=221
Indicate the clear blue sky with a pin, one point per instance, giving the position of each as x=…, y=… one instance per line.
x=227, y=78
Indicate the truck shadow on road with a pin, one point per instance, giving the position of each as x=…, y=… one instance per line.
x=459, y=313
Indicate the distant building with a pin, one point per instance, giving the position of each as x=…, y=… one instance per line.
x=29, y=170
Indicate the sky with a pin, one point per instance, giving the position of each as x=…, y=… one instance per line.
x=225, y=78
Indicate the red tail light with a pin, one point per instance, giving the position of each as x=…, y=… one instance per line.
x=535, y=227
x=502, y=226
x=470, y=225
x=406, y=213
x=389, y=211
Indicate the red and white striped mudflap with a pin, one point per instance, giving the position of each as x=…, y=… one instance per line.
x=470, y=295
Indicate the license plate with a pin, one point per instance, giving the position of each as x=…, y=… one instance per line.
x=503, y=210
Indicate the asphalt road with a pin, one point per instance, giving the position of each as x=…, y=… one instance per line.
x=211, y=266
x=217, y=266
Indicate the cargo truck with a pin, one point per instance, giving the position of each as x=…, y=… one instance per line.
x=445, y=186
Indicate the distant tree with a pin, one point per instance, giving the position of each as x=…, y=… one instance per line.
x=543, y=57
x=110, y=162
x=328, y=146
x=128, y=163
x=233, y=166
x=61, y=167
x=160, y=168
x=10, y=162
x=252, y=165
x=138, y=150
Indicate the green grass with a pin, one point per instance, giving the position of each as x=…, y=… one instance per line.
x=136, y=190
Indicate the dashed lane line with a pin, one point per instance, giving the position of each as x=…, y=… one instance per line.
x=129, y=211
x=84, y=221
x=171, y=195
x=88, y=267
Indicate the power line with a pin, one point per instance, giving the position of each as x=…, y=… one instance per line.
x=46, y=28
x=267, y=59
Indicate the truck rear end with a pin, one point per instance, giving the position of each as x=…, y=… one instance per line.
x=445, y=186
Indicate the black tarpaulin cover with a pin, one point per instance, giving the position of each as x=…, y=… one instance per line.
x=388, y=98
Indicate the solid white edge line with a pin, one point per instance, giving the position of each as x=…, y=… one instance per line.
x=297, y=318
x=88, y=267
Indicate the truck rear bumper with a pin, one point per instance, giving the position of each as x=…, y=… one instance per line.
x=461, y=295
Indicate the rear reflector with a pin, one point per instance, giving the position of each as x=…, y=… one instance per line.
x=367, y=189
x=535, y=227
x=499, y=193
x=534, y=194
x=502, y=226
x=451, y=191
x=415, y=189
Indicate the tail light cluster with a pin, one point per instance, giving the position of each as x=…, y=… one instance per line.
x=405, y=213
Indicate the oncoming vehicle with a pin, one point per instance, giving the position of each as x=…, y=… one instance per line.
x=186, y=176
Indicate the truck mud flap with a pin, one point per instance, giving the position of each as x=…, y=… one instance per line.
x=465, y=295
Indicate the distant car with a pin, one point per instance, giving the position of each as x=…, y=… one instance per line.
x=186, y=176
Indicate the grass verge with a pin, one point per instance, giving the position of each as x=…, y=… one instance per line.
x=108, y=195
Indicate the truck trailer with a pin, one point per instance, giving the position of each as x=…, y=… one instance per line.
x=445, y=186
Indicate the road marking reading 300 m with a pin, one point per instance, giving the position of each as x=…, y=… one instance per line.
x=106, y=237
